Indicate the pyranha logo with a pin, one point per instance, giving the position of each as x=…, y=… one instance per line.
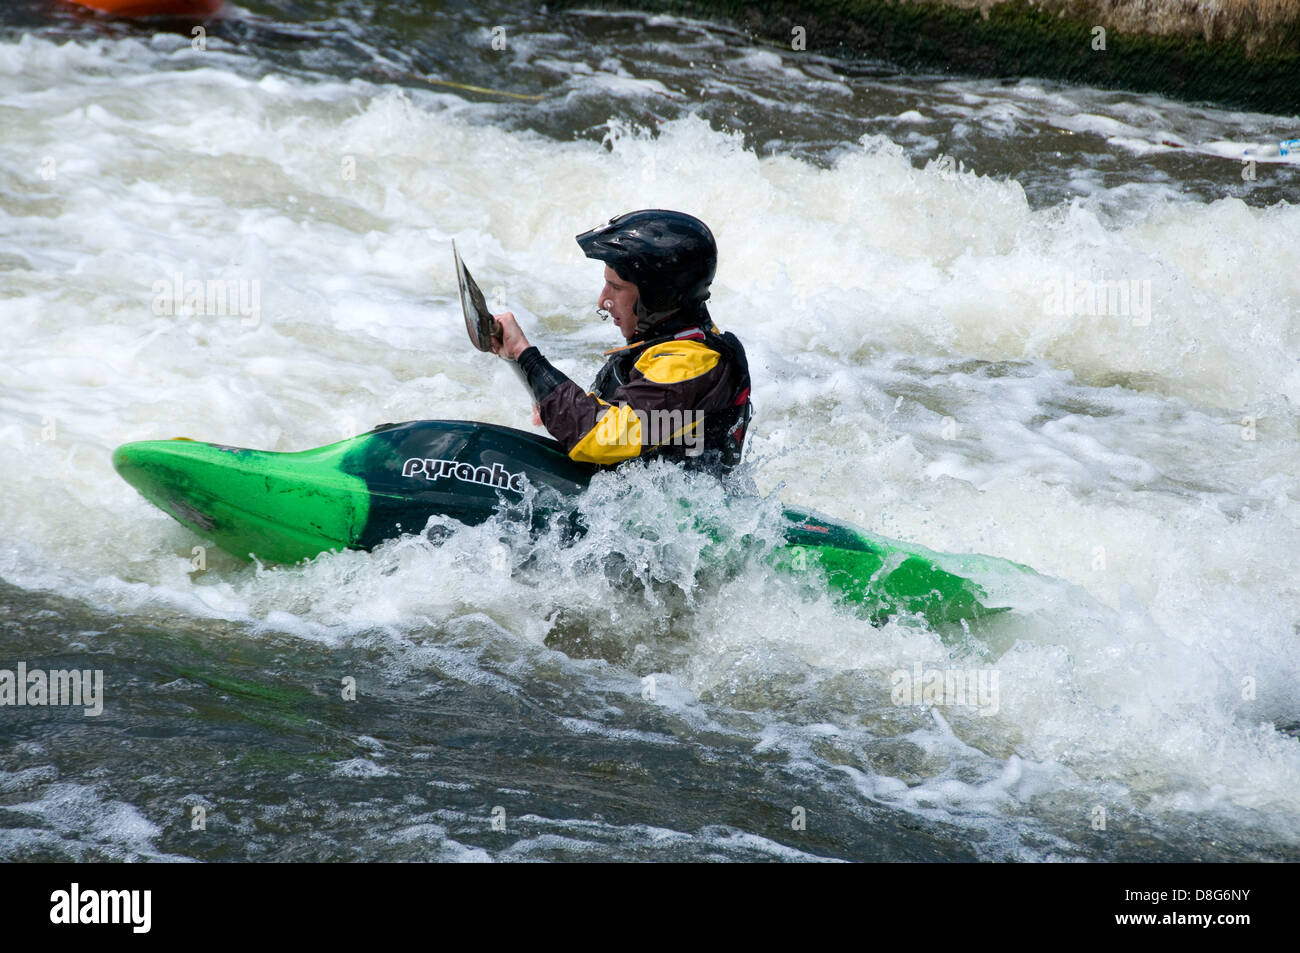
x=496, y=475
x=103, y=906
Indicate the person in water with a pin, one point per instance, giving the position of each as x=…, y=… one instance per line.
x=678, y=388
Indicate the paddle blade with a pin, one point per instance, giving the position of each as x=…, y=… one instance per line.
x=479, y=323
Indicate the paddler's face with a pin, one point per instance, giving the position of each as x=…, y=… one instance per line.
x=618, y=297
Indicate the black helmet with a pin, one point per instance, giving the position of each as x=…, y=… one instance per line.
x=670, y=256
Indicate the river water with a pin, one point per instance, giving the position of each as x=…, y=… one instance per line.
x=1054, y=324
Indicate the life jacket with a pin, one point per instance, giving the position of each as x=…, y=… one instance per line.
x=724, y=431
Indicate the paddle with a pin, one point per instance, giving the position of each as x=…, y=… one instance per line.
x=481, y=327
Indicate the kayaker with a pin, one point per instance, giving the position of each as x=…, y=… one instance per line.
x=678, y=388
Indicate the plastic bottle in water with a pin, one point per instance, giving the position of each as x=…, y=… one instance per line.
x=1287, y=147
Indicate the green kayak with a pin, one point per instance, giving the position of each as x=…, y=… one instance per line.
x=355, y=494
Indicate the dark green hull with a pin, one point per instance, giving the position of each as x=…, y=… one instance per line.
x=285, y=507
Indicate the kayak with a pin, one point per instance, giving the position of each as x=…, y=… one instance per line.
x=153, y=8
x=283, y=507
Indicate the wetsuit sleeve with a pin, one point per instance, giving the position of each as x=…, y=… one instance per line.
x=668, y=390
x=543, y=376
x=570, y=414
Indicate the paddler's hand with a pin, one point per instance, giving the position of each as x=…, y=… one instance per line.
x=510, y=342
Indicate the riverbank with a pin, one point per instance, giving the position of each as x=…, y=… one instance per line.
x=1241, y=53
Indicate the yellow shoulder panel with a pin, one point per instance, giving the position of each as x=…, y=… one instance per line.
x=675, y=361
x=615, y=438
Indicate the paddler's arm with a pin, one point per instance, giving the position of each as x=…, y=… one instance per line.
x=679, y=377
x=590, y=429
x=578, y=420
x=671, y=385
